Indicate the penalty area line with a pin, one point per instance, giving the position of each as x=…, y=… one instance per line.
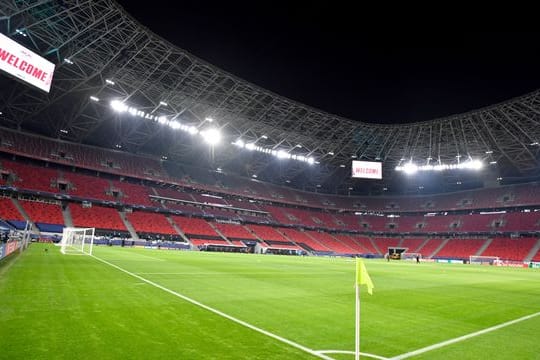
x=464, y=337
x=217, y=312
x=348, y=352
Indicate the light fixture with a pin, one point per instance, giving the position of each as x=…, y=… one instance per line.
x=163, y=103
x=411, y=168
x=110, y=82
x=94, y=98
x=212, y=136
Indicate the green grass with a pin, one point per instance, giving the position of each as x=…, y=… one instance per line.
x=76, y=307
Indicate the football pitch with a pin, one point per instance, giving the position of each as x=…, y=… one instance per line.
x=134, y=303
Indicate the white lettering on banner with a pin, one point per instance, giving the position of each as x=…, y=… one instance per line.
x=24, y=64
x=367, y=169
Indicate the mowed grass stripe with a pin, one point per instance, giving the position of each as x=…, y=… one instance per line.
x=217, y=312
x=74, y=307
x=311, y=302
x=435, y=302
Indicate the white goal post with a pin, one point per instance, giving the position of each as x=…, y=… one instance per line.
x=483, y=260
x=410, y=256
x=77, y=241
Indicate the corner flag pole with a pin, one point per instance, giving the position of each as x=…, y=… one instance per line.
x=362, y=278
x=357, y=323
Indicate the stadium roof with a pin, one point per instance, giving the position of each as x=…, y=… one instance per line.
x=103, y=54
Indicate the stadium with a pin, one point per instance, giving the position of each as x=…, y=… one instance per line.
x=216, y=219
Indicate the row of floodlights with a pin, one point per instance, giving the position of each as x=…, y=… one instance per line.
x=411, y=168
x=210, y=135
x=280, y=154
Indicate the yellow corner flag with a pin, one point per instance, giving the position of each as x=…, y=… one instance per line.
x=362, y=276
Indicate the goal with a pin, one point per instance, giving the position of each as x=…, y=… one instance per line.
x=483, y=260
x=77, y=241
x=410, y=256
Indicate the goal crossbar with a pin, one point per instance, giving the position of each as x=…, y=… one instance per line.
x=77, y=241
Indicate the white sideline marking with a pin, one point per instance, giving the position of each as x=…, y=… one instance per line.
x=217, y=312
x=351, y=353
x=464, y=337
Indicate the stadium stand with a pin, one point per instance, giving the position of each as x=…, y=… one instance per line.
x=460, y=248
x=150, y=223
x=510, y=249
x=40, y=212
x=267, y=233
x=235, y=231
x=194, y=226
x=8, y=211
x=96, y=216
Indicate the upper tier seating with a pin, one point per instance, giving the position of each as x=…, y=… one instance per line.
x=80, y=155
x=32, y=177
x=85, y=186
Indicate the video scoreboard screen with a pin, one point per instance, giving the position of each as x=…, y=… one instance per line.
x=25, y=65
x=366, y=169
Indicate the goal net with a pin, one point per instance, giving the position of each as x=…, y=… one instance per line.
x=77, y=241
x=410, y=256
x=483, y=260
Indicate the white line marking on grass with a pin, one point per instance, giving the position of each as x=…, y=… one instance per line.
x=464, y=337
x=217, y=312
x=351, y=353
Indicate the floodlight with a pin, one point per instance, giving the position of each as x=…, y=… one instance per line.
x=192, y=130
x=173, y=124
x=410, y=168
x=94, y=98
x=282, y=154
x=239, y=143
x=250, y=146
x=163, y=103
x=110, y=82
x=310, y=161
x=212, y=136
x=119, y=106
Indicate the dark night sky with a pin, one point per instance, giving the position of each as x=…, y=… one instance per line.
x=346, y=64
